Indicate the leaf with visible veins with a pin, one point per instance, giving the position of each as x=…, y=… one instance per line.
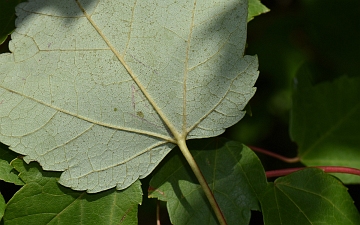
x=103, y=90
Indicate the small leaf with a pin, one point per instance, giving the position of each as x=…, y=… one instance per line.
x=7, y=173
x=256, y=8
x=103, y=90
x=308, y=197
x=325, y=124
x=43, y=201
x=2, y=206
x=233, y=172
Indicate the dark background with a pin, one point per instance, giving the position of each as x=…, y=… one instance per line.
x=322, y=36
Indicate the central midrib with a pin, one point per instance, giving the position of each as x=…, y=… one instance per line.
x=186, y=70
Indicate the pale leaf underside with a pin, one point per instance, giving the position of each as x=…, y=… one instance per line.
x=103, y=90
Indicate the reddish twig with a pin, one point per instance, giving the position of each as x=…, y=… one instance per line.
x=326, y=169
x=277, y=156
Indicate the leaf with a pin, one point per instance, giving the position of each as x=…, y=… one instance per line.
x=256, y=8
x=233, y=172
x=309, y=197
x=7, y=18
x=325, y=123
x=103, y=90
x=2, y=206
x=43, y=201
x=6, y=170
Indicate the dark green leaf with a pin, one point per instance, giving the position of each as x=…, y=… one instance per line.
x=43, y=201
x=325, y=121
x=233, y=172
x=7, y=172
x=2, y=206
x=308, y=197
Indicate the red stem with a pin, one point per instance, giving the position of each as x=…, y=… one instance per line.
x=326, y=169
x=280, y=157
x=283, y=172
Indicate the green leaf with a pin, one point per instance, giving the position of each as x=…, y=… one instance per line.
x=43, y=201
x=7, y=17
x=256, y=8
x=309, y=197
x=233, y=172
x=7, y=172
x=2, y=206
x=325, y=123
x=103, y=90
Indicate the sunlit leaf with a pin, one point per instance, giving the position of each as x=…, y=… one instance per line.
x=256, y=8
x=103, y=90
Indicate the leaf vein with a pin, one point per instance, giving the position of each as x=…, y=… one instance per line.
x=135, y=79
x=108, y=125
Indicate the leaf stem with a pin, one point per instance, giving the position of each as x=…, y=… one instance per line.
x=274, y=155
x=326, y=169
x=195, y=168
x=158, y=212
